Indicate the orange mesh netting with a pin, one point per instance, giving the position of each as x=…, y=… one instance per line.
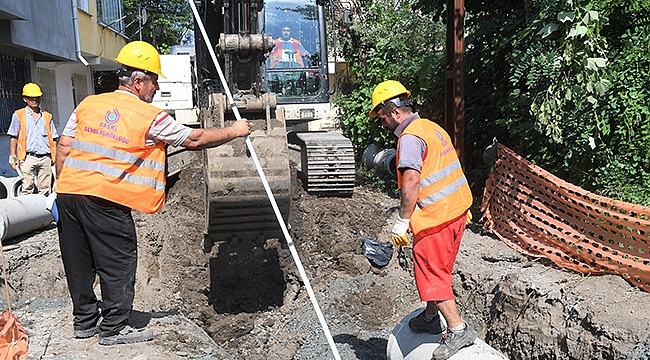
x=541, y=215
x=14, y=341
x=13, y=338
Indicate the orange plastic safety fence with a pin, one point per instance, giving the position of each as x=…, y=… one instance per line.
x=14, y=340
x=539, y=214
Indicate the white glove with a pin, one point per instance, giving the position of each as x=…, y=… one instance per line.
x=50, y=205
x=398, y=235
x=13, y=161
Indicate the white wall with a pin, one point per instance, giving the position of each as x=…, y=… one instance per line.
x=65, y=96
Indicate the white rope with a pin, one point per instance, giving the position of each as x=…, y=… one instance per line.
x=269, y=193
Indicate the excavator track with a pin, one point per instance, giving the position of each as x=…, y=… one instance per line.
x=236, y=202
x=327, y=162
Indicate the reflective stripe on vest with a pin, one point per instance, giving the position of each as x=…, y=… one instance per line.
x=444, y=193
x=115, y=172
x=21, y=114
x=118, y=155
x=109, y=157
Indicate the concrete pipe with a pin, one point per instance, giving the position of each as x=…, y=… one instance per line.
x=376, y=157
x=4, y=193
x=10, y=186
x=23, y=214
x=404, y=344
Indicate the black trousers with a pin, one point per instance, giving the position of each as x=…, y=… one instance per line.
x=97, y=237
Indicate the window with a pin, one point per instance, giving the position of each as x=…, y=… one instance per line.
x=83, y=5
x=111, y=13
x=14, y=73
x=79, y=88
x=294, y=65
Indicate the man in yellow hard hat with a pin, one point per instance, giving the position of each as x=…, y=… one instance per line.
x=32, y=143
x=111, y=159
x=434, y=203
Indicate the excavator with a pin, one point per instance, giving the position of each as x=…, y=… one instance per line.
x=286, y=99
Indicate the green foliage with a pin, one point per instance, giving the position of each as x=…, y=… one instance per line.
x=168, y=22
x=564, y=83
x=587, y=99
x=386, y=44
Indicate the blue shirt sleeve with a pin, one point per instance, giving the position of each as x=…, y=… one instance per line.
x=14, y=127
x=55, y=135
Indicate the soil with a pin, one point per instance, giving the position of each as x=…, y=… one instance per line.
x=246, y=299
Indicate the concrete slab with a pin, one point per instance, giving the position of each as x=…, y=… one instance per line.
x=404, y=344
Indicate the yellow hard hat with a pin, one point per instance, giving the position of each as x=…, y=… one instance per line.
x=32, y=90
x=140, y=55
x=385, y=91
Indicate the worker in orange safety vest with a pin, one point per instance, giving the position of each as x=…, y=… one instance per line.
x=111, y=159
x=287, y=52
x=434, y=203
x=32, y=143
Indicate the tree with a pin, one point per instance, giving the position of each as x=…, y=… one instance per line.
x=565, y=85
x=388, y=41
x=168, y=22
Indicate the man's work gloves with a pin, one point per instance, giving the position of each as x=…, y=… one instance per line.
x=13, y=161
x=398, y=235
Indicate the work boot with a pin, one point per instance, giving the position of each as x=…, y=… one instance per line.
x=452, y=342
x=89, y=332
x=86, y=333
x=420, y=324
x=128, y=335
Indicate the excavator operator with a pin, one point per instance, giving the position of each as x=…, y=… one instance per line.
x=288, y=52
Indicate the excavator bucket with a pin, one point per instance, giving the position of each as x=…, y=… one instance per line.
x=236, y=202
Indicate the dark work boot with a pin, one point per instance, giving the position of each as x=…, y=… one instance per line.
x=420, y=324
x=128, y=335
x=86, y=333
x=89, y=332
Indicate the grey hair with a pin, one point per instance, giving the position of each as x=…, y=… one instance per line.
x=128, y=80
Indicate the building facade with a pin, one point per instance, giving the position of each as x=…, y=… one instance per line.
x=58, y=44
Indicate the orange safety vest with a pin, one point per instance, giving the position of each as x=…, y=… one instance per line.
x=109, y=158
x=277, y=55
x=444, y=193
x=21, y=114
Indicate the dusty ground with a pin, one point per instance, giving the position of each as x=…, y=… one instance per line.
x=249, y=299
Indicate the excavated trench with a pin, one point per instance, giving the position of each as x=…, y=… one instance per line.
x=526, y=308
x=247, y=295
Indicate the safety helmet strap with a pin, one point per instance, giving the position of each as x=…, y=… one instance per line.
x=399, y=102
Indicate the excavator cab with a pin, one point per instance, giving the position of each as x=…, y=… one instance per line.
x=295, y=66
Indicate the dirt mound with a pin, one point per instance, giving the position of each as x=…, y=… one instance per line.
x=248, y=296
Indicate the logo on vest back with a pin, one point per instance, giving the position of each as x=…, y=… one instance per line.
x=444, y=143
x=439, y=135
x=112, y=116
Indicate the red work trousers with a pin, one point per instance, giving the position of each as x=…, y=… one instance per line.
x=434, y=254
